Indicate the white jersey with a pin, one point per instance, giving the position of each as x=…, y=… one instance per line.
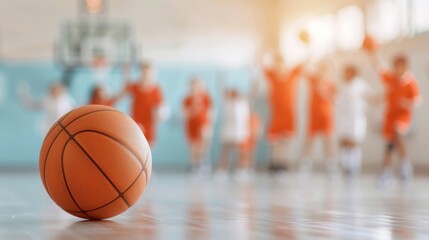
x=351, y=109
x=235, y=121
x=54, y=108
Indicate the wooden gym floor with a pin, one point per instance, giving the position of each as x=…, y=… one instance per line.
x=175, y=207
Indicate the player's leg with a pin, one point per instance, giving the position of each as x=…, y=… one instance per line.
x=306, y=160
x=350, y=154
x=222, y=167
x=275, y=153
x=243, y=165
x=386, y=174
x=405, y=167
x=330, y=161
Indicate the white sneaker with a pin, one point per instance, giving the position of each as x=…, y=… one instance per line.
x=385, y=178
x=406, y=171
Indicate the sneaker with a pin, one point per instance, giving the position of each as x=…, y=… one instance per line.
x=385, y=178
x=277, y=167
x=406, y=171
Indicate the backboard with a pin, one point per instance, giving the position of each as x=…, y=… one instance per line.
x=85, y=39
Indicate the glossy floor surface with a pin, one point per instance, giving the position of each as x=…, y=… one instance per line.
x=175, y=207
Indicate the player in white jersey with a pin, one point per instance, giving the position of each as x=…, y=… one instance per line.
x=353, y=96
x=56, y=104
x=234, y=128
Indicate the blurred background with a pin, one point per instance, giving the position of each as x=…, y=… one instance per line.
x=46, y=41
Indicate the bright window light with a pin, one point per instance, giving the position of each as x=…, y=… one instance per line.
x=420, y=10
x=291, y=47
x=322, y=35
x=350, y=28
x=383, y=20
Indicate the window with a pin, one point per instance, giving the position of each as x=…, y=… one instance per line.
x=322, y=35
x=292, y=48
x=350, y=28
x=384, y=20
x=420, y=15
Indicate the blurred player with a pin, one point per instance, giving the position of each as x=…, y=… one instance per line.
x=147, y=98
x=282, y=85
x=320, y=117
x=234, y=129
x=248, y=146
x=352, y=98
x=99, y=96
x=197, y=106
x=56, y=104
x=402, y=96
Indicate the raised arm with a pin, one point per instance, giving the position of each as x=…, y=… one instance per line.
x=26, y=98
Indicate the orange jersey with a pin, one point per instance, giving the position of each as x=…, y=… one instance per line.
x=320, y=116
x=282, y=94
x=397, y=117
x=144, y=105
x=197, y=108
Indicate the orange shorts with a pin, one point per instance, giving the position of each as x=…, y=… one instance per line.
x=196, y=132
x=320, y=124
x=394, y=125
x=281, y=127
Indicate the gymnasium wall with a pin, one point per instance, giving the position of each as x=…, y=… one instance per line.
x=20, y=135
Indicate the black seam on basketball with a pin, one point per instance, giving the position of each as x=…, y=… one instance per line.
x=143, y=164
x=116, y=198
x=143, y=170
x=96, y=165
x=65, y=180
x=62, y=128
x=58, y=121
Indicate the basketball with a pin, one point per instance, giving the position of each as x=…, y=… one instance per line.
x=304, y=37
x=369, y=43
x=95, y=162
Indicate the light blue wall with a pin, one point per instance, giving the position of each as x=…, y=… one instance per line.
x=20, y=137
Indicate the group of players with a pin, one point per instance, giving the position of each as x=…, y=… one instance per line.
x=241, y=126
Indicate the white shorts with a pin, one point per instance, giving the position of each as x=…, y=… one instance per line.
x=351, y=127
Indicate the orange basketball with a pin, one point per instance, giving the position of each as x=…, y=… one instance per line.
x=369, y=43
x=304, y=37
x=95, y=162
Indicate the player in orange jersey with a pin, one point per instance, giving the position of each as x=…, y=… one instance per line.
x=197, y=107
x=320, y=117
x=401, y=97
x=282, y=86
x=147, y=98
